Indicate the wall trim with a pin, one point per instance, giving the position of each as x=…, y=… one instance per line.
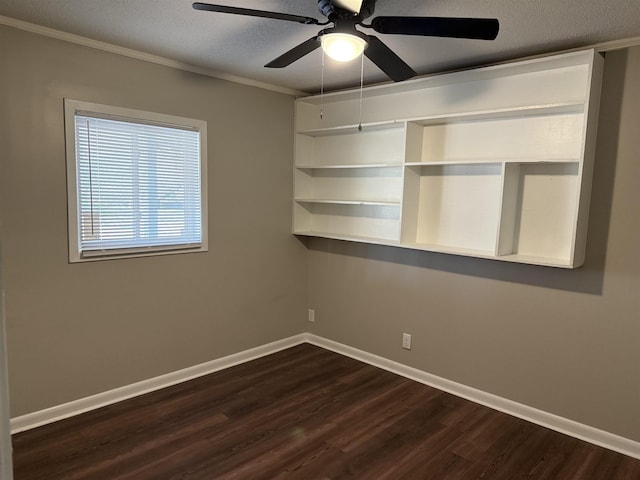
x=137, y=54
x=86, y=404
x=549, y=420
x=560, y=424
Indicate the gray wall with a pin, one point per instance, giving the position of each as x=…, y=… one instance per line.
x=76, y=330
x=567, y=342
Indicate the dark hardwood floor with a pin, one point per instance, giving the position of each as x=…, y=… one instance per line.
x=306, y=413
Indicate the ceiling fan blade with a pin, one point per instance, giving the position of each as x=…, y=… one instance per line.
x=387, y=60
x=256, y=13
x=474, y=28
x=295, y=53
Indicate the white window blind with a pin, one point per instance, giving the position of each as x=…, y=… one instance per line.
x=138, y=185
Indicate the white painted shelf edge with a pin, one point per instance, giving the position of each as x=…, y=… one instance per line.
x=348, y=166
x=450, y=117
x=348, y=202
x=350, y=238
x=353, y=128
x=473, y=161
x=465, y=252
x=453, y=161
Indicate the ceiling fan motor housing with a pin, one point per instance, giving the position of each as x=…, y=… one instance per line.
x=333, y=12
x=326, y=8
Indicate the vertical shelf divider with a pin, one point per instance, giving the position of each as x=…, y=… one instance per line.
x=510, y=205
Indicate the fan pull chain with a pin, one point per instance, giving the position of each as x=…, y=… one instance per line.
x=322, y=87
x=361, y=86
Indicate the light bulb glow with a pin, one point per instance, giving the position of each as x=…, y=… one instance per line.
x=342, y=47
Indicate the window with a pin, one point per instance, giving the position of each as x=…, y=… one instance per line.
x=136, y=182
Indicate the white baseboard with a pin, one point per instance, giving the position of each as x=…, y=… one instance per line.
x=560, y=424
x=554, y=422
x=76, y=407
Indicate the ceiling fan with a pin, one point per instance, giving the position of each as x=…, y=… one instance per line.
x=343, y=42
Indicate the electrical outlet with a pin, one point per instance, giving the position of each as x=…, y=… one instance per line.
x=312, y=315
x=406, y=341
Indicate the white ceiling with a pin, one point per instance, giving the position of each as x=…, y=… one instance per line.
x=240, y=45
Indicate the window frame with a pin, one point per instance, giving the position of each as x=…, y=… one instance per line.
x=77, y=107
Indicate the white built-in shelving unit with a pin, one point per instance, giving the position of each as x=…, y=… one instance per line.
x=494, y=162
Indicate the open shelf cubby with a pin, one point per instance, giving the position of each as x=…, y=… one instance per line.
x=452, y=206
x=538, y=209
x=370, y=184
x=543, y=136
x=348, y=221
x=493, y=162
x=373, y=144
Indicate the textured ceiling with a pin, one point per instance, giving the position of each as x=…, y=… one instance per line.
x=240, y=45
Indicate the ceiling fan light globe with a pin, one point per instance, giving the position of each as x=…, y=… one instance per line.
x=342, y=47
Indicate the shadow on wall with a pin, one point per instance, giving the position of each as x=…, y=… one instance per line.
x=587, y=279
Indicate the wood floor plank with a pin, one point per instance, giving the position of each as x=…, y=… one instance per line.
x=306, y=413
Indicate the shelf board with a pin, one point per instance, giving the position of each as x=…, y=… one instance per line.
x=451, y=117
x=350, y=238
x=488, y=254
x=353, y=128
x=498, y=113
x=348, y=202
x=474, y=161
x=470, y=252
x=468, y=161
x=513, y=258
x=548, y=161
x=478, y=161
x=349, y=166
x=548, y=262
x=484, y=254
